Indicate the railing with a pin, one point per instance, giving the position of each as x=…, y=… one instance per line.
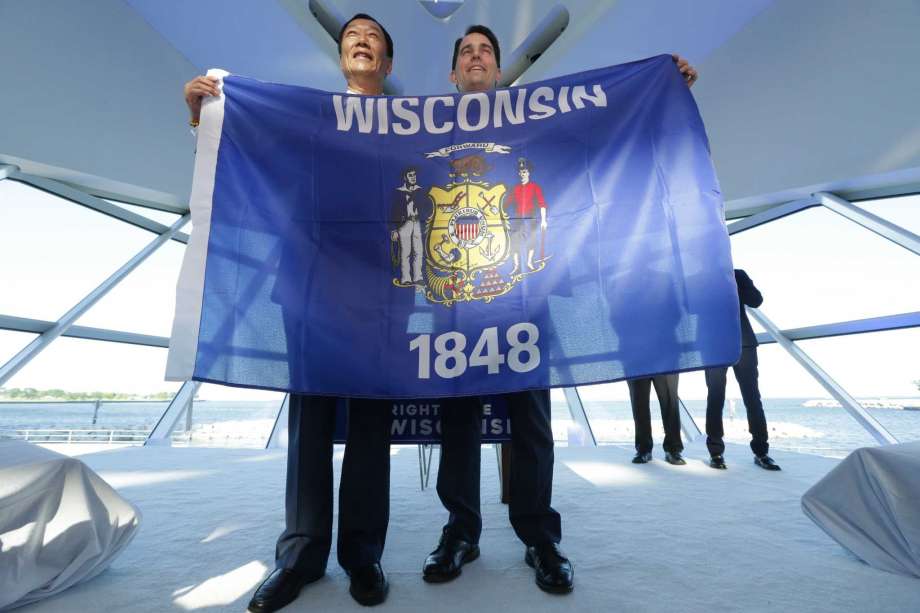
x=70, y=435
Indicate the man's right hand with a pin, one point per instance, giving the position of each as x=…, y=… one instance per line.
x=195, y=90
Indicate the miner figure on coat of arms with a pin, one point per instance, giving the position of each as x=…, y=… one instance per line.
x=527, y=197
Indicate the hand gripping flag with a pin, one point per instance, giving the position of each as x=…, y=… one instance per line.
x=560, y=233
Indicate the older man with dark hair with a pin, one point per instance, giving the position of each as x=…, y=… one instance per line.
x=366, y=57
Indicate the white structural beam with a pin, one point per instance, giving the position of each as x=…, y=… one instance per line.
x=276, y=440
x=537, y=42
x=874, y=223
x=772, y=214
x=80, y=197
x=891, y=185
x=39, y=326
x=18, y=361
x=100, y=186
x=577, y=411
x=856, y=410
x=179, y=406
x=843, y=328
x=687, y=423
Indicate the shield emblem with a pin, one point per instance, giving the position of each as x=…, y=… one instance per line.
x=469, y=228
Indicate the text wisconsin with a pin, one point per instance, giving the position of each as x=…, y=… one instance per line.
x=472, y=112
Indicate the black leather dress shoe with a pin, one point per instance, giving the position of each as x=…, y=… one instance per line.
x=642, y=458
x=445, y=562
x=279, y=589
x=766, y=462
x=717, y=461
x=368, y=585
x=554, y=572
x=674, y=457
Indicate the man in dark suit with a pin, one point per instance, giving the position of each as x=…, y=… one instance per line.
x=476, y=68
x=746, y=375
x=302, y=551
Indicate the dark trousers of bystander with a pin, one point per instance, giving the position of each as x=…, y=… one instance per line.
x=746, y=375
x=666, y=390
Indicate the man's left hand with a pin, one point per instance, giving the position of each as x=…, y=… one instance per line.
x=687, y=71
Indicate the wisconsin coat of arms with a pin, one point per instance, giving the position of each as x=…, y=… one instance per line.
x=470, y=237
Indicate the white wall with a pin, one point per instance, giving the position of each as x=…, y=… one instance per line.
x=89, y=86
x=813, y=92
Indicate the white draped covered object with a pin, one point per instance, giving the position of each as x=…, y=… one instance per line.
x=870, y=504
x=60, y=523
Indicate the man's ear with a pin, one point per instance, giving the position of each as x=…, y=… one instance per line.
x=453, y=77
x=389, y=68
x=498, y=77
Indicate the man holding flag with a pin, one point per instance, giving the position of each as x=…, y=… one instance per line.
x=366, y=58
x=476, y=67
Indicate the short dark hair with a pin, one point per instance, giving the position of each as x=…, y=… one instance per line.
x=386, y=35
x=478, y=29
x=524, y=163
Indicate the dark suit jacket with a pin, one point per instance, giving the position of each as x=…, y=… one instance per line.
x=398, y=209
x=750, y=296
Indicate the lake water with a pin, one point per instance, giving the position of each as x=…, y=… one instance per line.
x=817, y=430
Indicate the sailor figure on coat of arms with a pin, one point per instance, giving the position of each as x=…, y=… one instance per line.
x=408, y=209
x=470, y=235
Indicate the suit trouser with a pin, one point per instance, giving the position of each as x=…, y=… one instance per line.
x=364, y=490
x=666, y=390
x=746, y=375
x=530, y=511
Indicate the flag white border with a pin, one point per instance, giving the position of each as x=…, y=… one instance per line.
x=183, y=342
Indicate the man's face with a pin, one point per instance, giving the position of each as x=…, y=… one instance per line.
x=410, y=177
x=524, y=174
x=364, y=50
x=476, y=70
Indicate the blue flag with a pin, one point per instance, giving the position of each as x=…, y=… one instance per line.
x=561, y=233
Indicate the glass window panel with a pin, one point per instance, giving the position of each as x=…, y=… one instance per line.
x=229, y=417
x=128, y=379
x=561, y=418
x=612, y=422
x=816, y=267
x=163, y=217
x=12, y=342
x=788, y=394
x=903, y=211
x=145, y=300
x=54, y=252
x=881, y=370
